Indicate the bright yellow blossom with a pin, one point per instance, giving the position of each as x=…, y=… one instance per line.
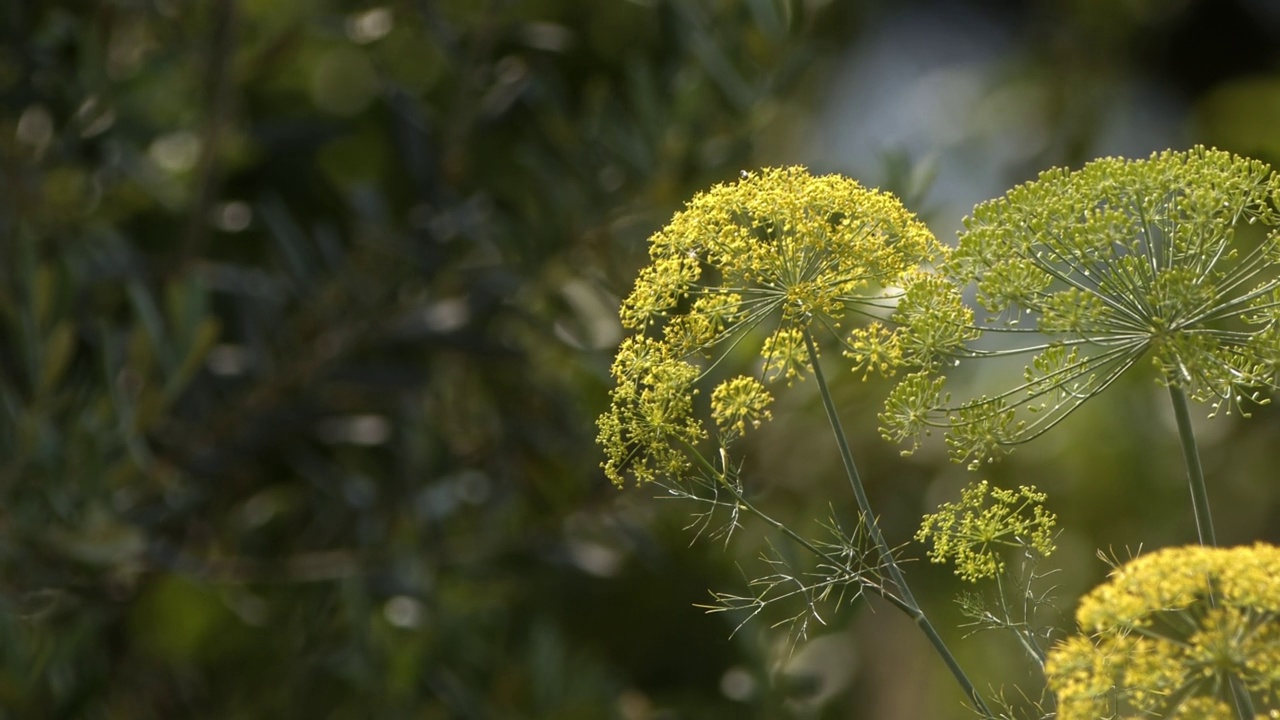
x=766, y=264
x=739, y=402
x=1171, y=633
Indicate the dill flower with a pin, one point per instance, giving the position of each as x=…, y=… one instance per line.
x=765, y=267
x=651, y=418
x=738, y=402
x=1173, y=634
x=778, y=256
x=971, y=532
x=1173, y=259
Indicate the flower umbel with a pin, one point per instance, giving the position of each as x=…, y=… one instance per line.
x=783, y=246
x=1170, y=635
x=1174, y=258
x=739, y=402
x=971, y=532
x=775, y=257
x=650, y=422
x=783, y=259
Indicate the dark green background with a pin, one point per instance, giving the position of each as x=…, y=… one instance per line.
x=307, y=306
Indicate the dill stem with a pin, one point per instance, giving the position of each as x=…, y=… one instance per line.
x=1204, y=518
x=1195, y=472
x=908, y=603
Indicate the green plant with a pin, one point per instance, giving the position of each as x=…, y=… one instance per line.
x=300, y=306
x=780, y=258
x=1187, y=632
x=1094, y=270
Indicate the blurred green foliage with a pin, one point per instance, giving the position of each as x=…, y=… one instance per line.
x=306, y=310
x=301, y=310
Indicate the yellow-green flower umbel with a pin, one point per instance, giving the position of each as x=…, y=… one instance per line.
x=763, y=269
x=1174, y=258
x=779, y=256
x=1189, y=632
x=972, y=532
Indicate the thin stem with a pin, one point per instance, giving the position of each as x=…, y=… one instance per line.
x=1195, y=473
x=1021, y=629
x=1243, y=703
x=909, y=604
x=1204, y=519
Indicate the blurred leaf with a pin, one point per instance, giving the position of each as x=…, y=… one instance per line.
x=58, y=348
x=176, y=620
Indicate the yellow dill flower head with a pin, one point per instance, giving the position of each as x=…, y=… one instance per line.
x=1170, y=633
x=759, y=265
x=782, y=247
x=650, y=422
x=739, y=402
x=1174, y=260
x=972, y=532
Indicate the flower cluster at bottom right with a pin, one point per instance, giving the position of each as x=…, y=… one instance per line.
x=1187, y=632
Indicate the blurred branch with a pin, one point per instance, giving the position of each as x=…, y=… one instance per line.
x=217, y=100
x=317, y=566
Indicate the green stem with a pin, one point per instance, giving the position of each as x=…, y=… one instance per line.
x=1195, y=473
x=908, y=602
x=1021, y=630
x=1244, y=703
x=1204, y=519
